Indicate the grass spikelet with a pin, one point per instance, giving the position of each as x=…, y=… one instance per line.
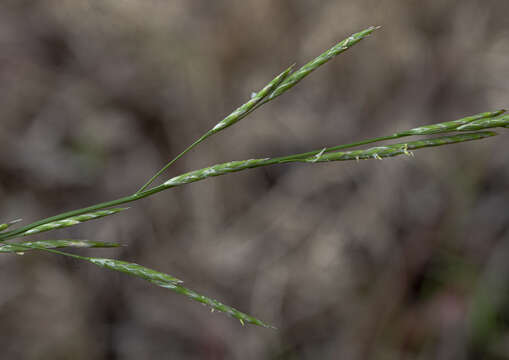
x=449, y=125
x=243, y=110
x=133, y=269
x=71, y=221
x=381, y=152
x=500, y=121
x=311, y=66
x=54, y=244
x=216, y=305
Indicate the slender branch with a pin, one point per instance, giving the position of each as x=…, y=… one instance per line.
x=163, y=169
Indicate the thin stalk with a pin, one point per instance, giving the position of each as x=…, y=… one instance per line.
x=58, y=252
x=163, y=169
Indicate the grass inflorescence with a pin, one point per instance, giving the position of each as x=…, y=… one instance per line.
x=451, y=132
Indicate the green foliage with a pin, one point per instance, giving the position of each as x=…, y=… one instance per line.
x=280, y=84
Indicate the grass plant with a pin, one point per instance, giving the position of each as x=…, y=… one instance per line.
x=456, y=131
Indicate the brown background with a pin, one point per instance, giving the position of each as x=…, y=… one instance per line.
x=398, y=259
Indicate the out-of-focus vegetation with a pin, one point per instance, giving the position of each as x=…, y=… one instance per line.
x=404, y=258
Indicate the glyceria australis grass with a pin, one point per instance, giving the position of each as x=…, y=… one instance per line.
x=456, y=131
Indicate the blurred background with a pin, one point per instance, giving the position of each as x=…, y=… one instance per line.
x=405, y=258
